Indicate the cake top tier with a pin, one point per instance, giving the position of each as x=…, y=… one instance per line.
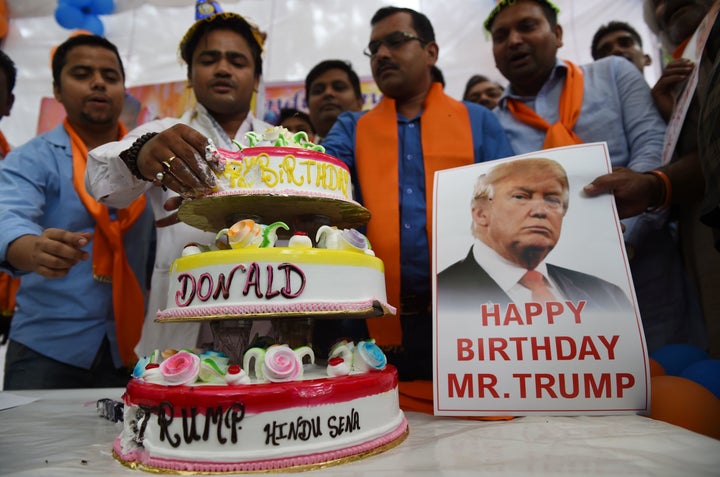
x=278, y=176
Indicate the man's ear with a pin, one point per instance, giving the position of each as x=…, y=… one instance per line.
x=56, y=93
x=480, y=215
x=647, y=60
x=558, y=35
x=433, y=51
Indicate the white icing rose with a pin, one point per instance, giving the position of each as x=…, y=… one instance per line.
x=281, y=364
x=338, y=367
x=368, y=357
x=236, y=375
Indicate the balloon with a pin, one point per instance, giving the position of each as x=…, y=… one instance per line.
x=685, y=403
x=76, y=3
x=656, y=369
x=706, y=373
x=92, y=23
x=102, y=7
x=676, y=357
x=69, y=17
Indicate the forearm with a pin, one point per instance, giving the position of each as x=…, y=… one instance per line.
x=20, y=253
x=686, y=178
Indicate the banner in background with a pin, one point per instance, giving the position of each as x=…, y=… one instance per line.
x=149, y=102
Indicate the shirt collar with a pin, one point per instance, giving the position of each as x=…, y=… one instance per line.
x=558, y=71
x=505, y=273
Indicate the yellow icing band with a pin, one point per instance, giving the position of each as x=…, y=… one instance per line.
x=278, y=254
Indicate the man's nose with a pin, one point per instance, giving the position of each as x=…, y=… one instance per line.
x=98, y=81
x=514, y=37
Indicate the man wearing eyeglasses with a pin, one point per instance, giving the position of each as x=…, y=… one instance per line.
x=393, y=151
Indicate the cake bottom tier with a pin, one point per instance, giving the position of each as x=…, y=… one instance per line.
x=260, y=427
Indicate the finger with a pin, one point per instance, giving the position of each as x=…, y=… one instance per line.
x=173, y=203
x=191, y=169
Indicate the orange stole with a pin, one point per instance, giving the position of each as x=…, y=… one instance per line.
x=8, y=285
x=561, y=133
x=446, y=142
x=109, y=259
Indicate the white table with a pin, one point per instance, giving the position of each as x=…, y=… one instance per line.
x=61, y=434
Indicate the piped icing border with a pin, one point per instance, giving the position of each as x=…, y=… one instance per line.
x=261, y=311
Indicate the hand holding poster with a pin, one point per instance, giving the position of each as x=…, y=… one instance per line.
x=535, y=310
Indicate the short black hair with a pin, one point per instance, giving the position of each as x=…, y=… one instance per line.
x=327, y=65
x=420, y=23
x=475, y=79
x=549, y=9
x=223, y=21
x=612, y=27
x=8, y=66
x=286, y=113
x=59, y=58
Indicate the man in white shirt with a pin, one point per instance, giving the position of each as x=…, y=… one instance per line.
x=164, y=158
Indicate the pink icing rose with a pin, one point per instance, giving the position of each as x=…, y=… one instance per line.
x=281, y=364
x=180, y=368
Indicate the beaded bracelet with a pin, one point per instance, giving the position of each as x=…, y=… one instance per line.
x=130, y=156
x=667, y=190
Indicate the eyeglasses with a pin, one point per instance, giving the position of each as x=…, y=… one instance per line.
x=392, y=41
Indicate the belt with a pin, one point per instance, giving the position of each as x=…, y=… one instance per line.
x=416, y=304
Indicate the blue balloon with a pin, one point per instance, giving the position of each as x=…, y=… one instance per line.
x=93, y=24
x=69, y=17
x=674, y=358
x=77, y=3
x=706, y=373
x=102, y=7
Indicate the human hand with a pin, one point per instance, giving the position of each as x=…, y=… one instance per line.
x=634, y=191
x=51, y=254
x=176, y=158
x=663, y=92
x=172, y=204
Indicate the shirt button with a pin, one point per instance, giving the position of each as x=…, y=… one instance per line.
x=409, y=190
x=407, y=226
x=409, y=157
x=411, y=125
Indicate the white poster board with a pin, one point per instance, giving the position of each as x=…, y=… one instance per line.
x=500, y=351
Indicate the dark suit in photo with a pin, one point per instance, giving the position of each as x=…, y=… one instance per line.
x=466, y=285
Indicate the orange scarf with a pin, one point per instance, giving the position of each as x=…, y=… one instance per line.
x=561, y=133
x=109, y=261
x=8, y=285
x=446, y=142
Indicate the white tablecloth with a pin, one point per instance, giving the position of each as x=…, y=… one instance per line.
x=61, y=434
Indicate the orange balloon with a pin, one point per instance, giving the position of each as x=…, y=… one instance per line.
x=656, y=369
x=685, y=403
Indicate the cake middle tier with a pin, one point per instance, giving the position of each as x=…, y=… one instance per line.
x=276, y=282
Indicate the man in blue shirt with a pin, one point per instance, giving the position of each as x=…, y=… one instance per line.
x=392, y=151
x=609, y=101
x=72, y=328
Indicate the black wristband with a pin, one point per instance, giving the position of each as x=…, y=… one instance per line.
x=130, y=156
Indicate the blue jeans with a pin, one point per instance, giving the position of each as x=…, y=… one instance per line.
x=28, y=369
